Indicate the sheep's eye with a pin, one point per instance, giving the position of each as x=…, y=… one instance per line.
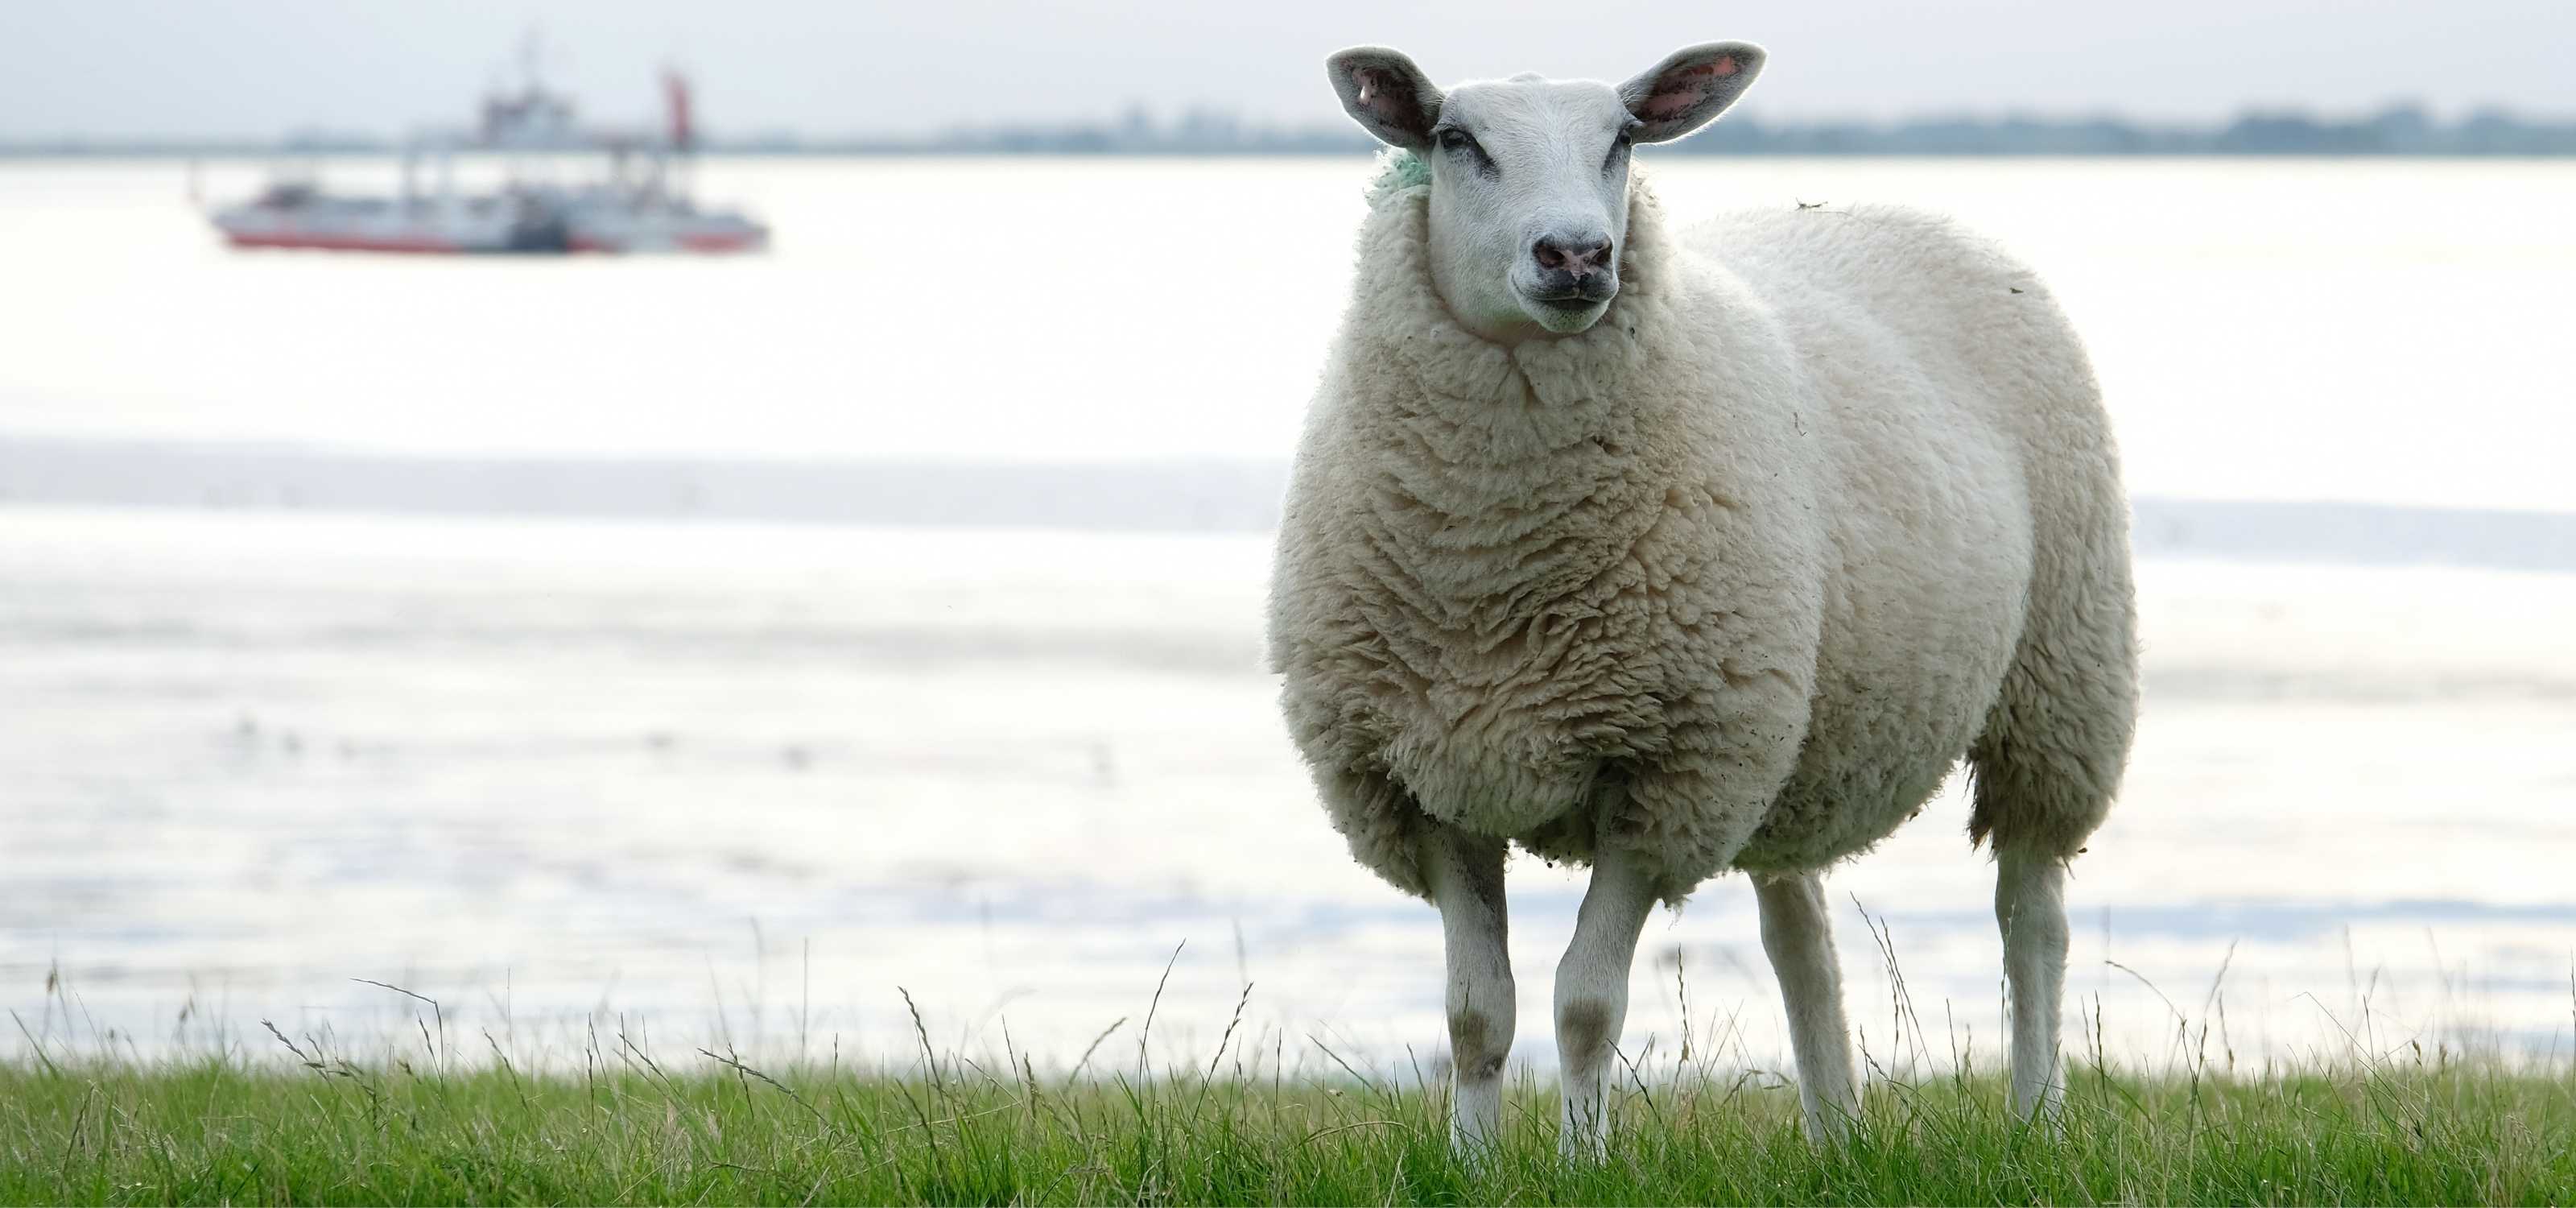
x=1618, y=151
x=1459, y=142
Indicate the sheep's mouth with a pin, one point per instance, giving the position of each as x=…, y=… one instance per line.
x=1571, y=304
x=1573, y=297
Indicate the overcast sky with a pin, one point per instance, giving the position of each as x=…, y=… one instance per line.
x=110, y=68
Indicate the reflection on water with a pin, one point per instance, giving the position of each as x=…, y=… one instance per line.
x=737, y=776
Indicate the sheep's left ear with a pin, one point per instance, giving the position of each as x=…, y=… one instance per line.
x=1386, y=94
x=1689, y=89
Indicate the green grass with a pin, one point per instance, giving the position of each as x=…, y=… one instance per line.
x=628, y=1128
x=426, y=1115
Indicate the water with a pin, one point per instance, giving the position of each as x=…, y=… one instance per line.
x=746, y=777
x=2380, y=329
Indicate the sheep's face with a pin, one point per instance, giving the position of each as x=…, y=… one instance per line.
x=1529, y=176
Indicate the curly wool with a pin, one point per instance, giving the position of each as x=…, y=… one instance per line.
x=1732, y=579
x=1397, y=170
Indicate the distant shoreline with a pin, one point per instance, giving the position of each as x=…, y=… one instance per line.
x=158, y=153
x=2399, y=130
x=1207, y=495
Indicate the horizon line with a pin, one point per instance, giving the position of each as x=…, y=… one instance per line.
x=2397, y=127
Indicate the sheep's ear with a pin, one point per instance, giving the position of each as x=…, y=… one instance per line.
x=1386, y=93
x=1689, y=89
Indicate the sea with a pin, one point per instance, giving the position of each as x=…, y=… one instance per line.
x=857, y=647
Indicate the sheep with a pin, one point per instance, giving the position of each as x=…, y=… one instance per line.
x=1675, y=553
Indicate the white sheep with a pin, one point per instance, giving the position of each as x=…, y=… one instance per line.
x=1680, y=554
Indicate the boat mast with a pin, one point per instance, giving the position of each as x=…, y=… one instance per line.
x=683, y=133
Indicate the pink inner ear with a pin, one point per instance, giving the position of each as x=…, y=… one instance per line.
x=1722, y=65
x=1386, y=96
x=1378, y=91
x=1685, y=87
x=1674, y=101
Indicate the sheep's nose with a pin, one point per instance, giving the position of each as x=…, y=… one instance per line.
x=1579, y=256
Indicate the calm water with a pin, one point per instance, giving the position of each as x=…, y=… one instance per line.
x=753, y=778
x=2381, y=330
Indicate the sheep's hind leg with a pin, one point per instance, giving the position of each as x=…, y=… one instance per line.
x=1592, y=995
x=1797, y=933
x=2055, y=743
x=1465, y=873
x=2030, y=907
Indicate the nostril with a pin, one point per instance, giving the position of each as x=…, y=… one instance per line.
x=1578, y=256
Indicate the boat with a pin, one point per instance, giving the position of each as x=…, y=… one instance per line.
x=639, y=200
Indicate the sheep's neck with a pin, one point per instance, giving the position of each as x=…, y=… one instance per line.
x=1506, y=479
x=1501, y=513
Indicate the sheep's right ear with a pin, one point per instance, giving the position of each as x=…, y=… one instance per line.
x=1690, y=88
x=1386, y=94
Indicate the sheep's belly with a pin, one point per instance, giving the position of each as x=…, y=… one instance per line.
x=1488, y=792
x=1881, y=738
x=1836, y=808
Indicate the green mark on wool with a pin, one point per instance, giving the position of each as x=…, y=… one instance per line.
x=1397, y=170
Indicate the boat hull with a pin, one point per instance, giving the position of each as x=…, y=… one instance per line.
x=365, y=227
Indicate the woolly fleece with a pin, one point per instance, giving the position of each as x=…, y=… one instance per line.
x=1825, y=500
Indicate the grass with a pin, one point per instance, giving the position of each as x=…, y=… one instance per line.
x=427, y=1115
x=629, y=1126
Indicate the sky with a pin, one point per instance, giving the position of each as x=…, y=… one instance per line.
x=259, y=68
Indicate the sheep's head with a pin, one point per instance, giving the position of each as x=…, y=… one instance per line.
x=1529, y=176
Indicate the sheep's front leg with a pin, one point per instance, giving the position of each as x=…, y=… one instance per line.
x=1592, y=995
x=1797, y=933
x=2030, y=907
x=1465, y=873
